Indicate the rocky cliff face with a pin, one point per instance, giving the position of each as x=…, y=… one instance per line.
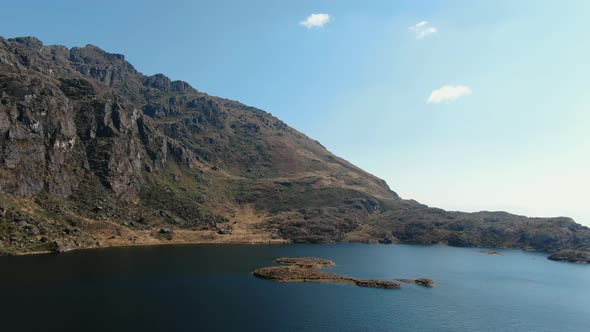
x=94, y=153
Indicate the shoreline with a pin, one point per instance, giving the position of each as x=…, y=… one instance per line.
x=261, y=242
x=148, y=244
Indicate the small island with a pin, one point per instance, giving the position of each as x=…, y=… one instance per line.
x=491, y=253
x=305, y=269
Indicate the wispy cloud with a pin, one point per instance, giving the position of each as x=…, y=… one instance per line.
x=422, y=30
x=316, y=20
x=448, y=93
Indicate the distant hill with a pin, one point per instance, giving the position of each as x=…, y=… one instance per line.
x=94, y=153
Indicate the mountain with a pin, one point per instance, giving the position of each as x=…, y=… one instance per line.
x=93, y=153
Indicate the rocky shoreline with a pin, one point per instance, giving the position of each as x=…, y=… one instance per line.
x=571, y=256
x=57, y=247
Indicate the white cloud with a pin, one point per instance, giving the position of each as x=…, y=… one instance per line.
x=316, y=20
x=448, y=93
x=422, y=29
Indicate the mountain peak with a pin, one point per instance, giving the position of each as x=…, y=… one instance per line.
x=30, y=42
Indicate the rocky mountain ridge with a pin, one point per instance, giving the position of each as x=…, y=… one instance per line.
x=93, y=153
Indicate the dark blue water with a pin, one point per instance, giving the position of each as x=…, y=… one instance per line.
x=210, y=288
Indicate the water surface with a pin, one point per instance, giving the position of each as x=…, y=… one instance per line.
x=210, y=288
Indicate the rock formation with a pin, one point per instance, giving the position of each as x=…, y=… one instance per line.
x=305, y=269
x=420, y=281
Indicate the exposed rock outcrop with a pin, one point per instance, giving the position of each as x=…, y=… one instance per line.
x=491, y=253
x=305, y=262
x=305, y=269
x=420, y=281
x=574, y=256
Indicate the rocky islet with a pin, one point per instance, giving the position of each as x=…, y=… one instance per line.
x=305, y=269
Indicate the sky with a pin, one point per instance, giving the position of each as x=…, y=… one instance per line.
x=462, y=105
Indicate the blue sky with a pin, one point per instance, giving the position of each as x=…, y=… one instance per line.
x=515, y=138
